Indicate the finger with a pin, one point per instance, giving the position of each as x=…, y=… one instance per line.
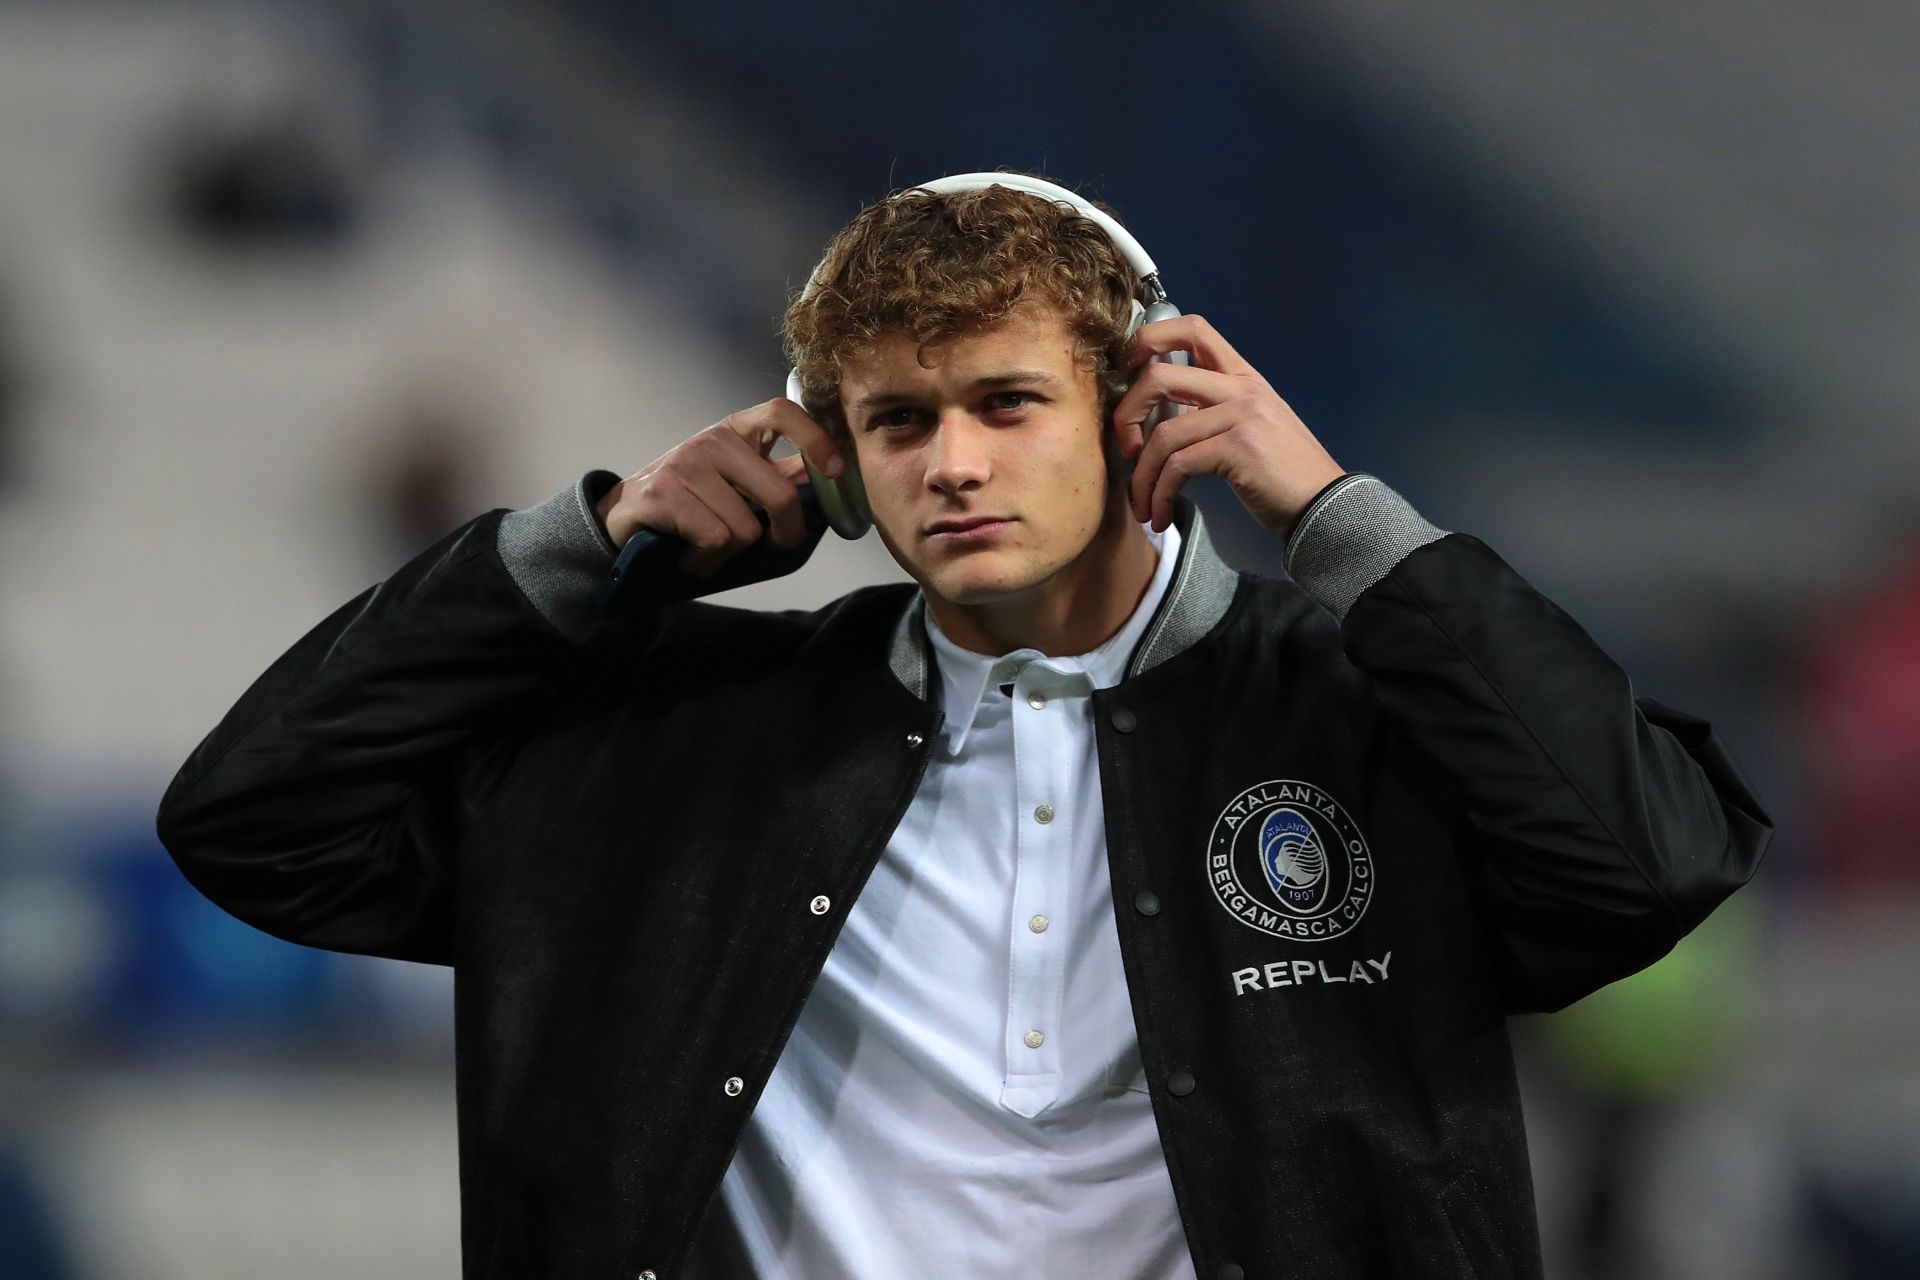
x=737, y=528
x=792, y=468
x=1168, y=384
x=1202, y=458
x=776, y=486
x=1190, y=333
x=762, y=480
x=689, y=516
x=764, y=424
x=1170, y=438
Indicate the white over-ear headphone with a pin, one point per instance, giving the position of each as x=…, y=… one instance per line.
x=843, y=499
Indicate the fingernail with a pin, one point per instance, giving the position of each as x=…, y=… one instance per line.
x=835, y=466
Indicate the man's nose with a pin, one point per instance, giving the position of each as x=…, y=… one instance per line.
x=960, y=449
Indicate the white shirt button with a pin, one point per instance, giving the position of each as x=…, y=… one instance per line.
x=1038, y=924
x=734, y=1085
x=1035, y=1039
x=1036, y=701
x=1043, y=813
x=820, y=904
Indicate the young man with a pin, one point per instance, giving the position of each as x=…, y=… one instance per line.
x=1083, y=908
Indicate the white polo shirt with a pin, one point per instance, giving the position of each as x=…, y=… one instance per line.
x=962, y=1095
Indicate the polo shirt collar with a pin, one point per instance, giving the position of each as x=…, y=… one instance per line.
x=968, y=677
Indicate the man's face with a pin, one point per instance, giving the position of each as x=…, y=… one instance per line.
x=1004, y=425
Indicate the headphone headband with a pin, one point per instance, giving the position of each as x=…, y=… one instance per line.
x=1123, y=240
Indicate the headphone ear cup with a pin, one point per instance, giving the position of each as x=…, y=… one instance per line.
x=1119, y=381
x=1119, y=466
x=843, y=500
x=851, y=486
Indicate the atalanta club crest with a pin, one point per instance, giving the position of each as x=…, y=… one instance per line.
x=1286, y=859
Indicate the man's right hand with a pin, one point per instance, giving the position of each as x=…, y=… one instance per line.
x=695, y=489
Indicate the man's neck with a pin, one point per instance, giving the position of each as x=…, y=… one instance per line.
x=1074, y=612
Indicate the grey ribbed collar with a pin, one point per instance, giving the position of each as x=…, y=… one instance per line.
x=1202, y=588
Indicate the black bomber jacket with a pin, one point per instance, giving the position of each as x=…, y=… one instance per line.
x=612, y=831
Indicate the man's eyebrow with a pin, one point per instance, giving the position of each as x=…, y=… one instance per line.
x=1022, y=377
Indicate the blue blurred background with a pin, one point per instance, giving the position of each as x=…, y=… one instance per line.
x=1630, y=291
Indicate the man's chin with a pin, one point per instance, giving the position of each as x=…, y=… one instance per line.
x=977, y=584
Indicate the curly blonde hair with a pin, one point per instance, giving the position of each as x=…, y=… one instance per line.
x=936, y=265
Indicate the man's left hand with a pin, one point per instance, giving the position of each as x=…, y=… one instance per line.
x=1238, y=428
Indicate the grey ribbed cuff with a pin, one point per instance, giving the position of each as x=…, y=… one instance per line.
x=558, y=552
x=1350, y=536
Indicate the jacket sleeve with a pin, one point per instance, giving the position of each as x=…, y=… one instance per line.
x=1602, y=826
x=328, y=804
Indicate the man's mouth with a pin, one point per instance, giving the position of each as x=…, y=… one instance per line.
x=961, y=522
x=968, y=529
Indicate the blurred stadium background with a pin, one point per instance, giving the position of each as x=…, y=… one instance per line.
x=1629, y=290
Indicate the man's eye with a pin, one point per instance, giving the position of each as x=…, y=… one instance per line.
x=998, y=402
